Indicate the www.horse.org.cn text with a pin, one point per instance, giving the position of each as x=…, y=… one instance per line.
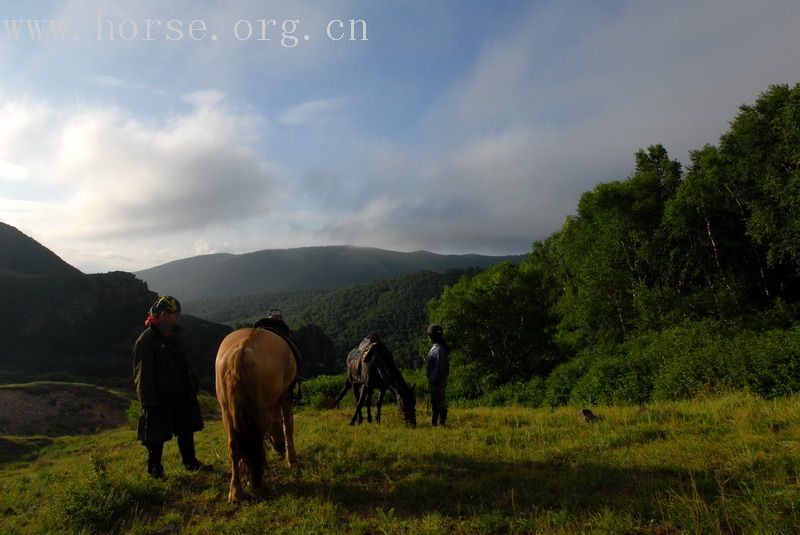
x=287, y=33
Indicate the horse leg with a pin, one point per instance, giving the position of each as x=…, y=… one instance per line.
x=235, y=491
x=369, y=406
x=288, y=431
x=361, y=399
x=378, y=406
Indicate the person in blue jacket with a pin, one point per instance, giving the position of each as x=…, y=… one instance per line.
x=438, y=368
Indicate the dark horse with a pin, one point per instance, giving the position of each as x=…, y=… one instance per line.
x=370, y=367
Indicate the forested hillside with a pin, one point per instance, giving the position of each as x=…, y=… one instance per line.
x=664, y=284
x=330, y=323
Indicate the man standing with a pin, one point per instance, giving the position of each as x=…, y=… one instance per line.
x=438, y=368
x=166, y=387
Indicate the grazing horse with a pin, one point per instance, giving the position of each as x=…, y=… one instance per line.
x=370, y=367
x=255, y=370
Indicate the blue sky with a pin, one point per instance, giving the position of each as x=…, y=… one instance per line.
x=461, y=126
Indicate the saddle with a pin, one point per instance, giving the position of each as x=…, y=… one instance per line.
x=363, y=349
x=275, y=323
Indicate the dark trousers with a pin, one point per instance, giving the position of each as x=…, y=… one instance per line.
x=439, y=402
x=156, y=449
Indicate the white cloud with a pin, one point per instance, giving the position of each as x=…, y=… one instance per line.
x=562, y=101
x=205, y=99
x=12, y=171
x=106, y=80
x=312, y=113
x=116, y=177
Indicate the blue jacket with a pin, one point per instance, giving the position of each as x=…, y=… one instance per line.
x=438, y=365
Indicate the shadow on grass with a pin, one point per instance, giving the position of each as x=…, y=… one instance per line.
x=455, y=486
x=19, y=449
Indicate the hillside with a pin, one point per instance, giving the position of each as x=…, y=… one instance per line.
x=22, y=255
x=56, y=322
x=54, y=409
x=309, y=268
x=331, y=322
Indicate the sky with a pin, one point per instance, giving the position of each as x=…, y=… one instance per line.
x=134, y=133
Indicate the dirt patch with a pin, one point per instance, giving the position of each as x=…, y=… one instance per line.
x=53, y=409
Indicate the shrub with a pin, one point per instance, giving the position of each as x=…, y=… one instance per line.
x=773, y=361
x=530, y=393
x=101, y=502
x=321, y=389
x=616, y=379
x=559, y=384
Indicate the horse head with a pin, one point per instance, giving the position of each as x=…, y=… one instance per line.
x=406, y=398
x=407, y=403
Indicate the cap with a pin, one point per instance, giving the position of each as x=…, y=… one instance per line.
x=165, y=303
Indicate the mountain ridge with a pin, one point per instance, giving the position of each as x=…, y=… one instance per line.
x=222, y=275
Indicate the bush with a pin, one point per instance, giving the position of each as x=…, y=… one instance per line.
x=320, y=390
x=530, y=393
x=617, y=379
x=559, y=384
x=773, y=362
x=102, y=503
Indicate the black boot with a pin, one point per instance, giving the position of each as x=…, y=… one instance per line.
x=435, y=418
x=442, y=417
x=186, y=447
x=154, y=466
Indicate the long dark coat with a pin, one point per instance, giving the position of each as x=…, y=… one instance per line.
x=166, y=386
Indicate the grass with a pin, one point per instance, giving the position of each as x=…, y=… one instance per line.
x=716, y=465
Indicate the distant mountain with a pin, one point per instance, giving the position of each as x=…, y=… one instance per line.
x=309, y=268
x=56, y=322
x=22, y=255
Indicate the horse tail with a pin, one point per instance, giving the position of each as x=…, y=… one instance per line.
x=246, y=428
x=347, y=385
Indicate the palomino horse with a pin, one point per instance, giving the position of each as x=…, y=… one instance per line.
x=370, y=367
x=255, y=370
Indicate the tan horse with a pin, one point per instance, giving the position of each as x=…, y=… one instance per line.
x=255, y=370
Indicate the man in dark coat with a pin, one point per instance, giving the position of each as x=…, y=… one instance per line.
x=166, y=387
x=438, y=369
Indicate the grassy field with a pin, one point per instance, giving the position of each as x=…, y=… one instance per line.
x=719, y=465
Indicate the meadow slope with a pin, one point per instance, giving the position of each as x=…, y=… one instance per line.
x=726, y=464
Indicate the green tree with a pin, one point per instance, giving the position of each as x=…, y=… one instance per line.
x=763, y=148
x=498, y=325
x=612, y=251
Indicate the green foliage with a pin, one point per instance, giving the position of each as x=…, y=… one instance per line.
x=682, y=362
x=100, y=502
x=498, y=327
x=528, y=393
x=559, y=384
x=320, y=390
x=664, y=285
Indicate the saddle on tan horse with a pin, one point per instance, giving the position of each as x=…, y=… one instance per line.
x=275, y=323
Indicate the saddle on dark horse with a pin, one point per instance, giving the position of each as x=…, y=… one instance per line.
x=275, y=323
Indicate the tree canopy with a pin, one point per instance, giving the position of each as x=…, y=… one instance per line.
x=658, y=250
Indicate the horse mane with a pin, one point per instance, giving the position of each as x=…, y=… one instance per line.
x=243, y=406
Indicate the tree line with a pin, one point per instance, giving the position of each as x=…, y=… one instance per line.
x=664, y=284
